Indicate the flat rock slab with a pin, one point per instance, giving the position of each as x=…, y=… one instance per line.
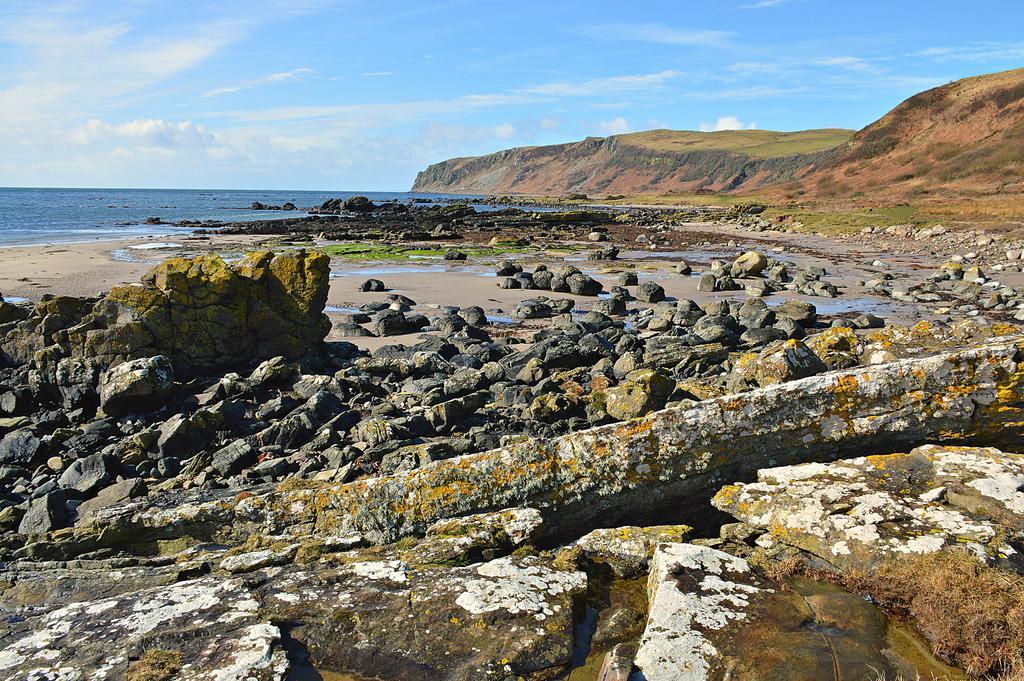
x=860, y=512
x=387, y=618
x=209, y=627
x=713, y=618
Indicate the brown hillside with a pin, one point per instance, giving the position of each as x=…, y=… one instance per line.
x=962, y=139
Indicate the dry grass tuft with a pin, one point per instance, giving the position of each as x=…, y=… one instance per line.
x=972, y=614
x=155, y=665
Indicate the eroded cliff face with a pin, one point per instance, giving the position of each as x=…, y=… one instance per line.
x=611, y=165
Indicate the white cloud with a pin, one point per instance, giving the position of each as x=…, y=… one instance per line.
x=379, y=74
x=727, y=123
x=155, y=132
x=281, y=77
x=550, y=123
x=655, y=33
x=615, y=126
x=505, y=131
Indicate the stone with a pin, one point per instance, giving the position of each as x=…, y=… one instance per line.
x=748, y=264
x=372, y=286
x=45, y=514
x=860, y=512
x=117, y=493
x=682, y=267
x=628, y=279
x=707, y=283
x=580, y=284
x=627, y=550
x=650, y=292
x=533, y=309
x=453, y=254
x=249, y=561
x=89, y=474
x=641, y=392
x=19, y=447
x=837, y=347
x=778, y=363
x=136, y=385
x=510, y=616
x=800, y=311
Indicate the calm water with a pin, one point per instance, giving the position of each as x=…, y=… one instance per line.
x=33, y=216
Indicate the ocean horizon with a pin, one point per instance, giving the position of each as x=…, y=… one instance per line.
x=42, y=215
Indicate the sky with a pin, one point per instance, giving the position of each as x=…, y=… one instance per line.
x=360, y=95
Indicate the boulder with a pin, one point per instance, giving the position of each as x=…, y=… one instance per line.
x=89, y=474
x=748, y=264
x=136, y=385
x=210, y=624
x=45, y=514
x=580, y=284
x=372, y=286
x=800, y=311
x=203, y=314
x=641, y=392
x=650, y=292
x=511, y=616
x=778, y=363
x=19, y=447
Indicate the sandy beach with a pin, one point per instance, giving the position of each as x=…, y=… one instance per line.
x=88, y=269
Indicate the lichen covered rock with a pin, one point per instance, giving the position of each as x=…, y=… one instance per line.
x=389, y=619
x=207, y=628
x=859, y=513
x=625, y=470
x=202, y=313
x=713, y=617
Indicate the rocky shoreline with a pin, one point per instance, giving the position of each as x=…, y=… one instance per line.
x=202, y=478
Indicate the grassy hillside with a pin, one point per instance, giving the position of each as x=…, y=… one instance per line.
x=754, y=143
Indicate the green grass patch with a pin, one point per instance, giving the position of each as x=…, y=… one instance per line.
x=852, y=220
x=360, y=251
x=754, y=143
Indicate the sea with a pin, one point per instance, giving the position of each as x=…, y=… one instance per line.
x=31, y=216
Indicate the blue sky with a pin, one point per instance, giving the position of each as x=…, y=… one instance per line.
x=352, y=94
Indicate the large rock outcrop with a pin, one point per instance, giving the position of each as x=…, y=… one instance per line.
x=202, y=313
x=604, y=475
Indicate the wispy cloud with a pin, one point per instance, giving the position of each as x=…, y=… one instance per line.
x=765, y=3
x=655, y=33
x=379, y=74
x=370, y=114
x=975, y=52
x=280, y=77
